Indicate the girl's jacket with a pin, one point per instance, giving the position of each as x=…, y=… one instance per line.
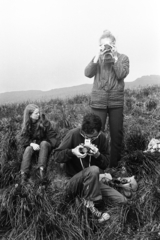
x=39, y=131
x=73, y=165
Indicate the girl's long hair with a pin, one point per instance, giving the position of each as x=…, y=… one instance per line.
x=26, y=125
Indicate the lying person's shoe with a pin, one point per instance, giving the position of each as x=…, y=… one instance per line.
x=101, y=216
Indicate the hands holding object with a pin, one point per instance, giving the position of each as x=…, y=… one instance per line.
x=35, y=146
x=82, y=150
x=107, y=52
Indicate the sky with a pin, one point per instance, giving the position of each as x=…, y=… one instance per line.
x=46, y=44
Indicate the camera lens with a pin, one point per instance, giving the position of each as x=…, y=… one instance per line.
x=83, y=150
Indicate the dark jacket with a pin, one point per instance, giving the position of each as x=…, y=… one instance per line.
x=108, y=86
x=63, y=153
x=39, y=131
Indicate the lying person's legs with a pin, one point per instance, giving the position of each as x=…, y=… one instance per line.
x=86, y=185
x=112, y=194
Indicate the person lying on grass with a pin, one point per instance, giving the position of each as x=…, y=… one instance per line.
x=85, y=153
x=37, y=138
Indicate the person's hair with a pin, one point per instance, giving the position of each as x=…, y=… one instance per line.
x=26, y=117
x=91, y=122
x=107, y=34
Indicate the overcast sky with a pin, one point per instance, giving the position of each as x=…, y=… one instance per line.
x=46, y=44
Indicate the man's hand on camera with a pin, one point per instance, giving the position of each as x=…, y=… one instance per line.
x=100, y=52
x=94, y=151
x=76, y=152
x=35, y=146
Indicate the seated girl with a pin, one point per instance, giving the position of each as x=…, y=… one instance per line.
x=37, y=137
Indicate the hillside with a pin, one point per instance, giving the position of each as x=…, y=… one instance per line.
x=67, y=92
x=40, y=210
x=32, y=95
x=144, y=81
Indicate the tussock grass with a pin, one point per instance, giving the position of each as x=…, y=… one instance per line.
x=43, y=212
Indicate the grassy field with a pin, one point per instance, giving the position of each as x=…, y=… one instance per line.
x=44, y=214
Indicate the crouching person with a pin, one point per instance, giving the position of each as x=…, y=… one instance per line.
x=84, y=151
x=37, y=138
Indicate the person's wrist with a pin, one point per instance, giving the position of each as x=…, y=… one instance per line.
x=72, y=152
x=95, y=60
x=96, y=155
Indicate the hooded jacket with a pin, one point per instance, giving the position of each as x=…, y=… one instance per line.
x=108, y=86
x=73, y=165
x=41, y=130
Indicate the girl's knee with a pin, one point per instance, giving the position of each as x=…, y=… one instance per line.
x=29, y=149
x=44, y=144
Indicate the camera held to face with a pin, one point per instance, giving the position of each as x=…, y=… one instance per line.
x=107, y=55
x=86, y=147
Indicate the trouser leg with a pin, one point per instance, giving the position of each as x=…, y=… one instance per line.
x=85, y=184
x=102, y=113
x=26, y=160
x=45, y=149
x=112, y=194
x=116, y=133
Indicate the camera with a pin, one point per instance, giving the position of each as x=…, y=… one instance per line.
x=107, y=54
x=85, y=149
x=87, y=146
x=107, y=47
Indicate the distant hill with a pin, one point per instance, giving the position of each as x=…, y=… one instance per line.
x=143, y=81
x=32, y=95
x=67, y=92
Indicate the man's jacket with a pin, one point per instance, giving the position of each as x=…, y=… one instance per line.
x=108, y=86
x=73, y=165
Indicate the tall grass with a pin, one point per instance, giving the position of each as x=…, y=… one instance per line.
x=44, y=213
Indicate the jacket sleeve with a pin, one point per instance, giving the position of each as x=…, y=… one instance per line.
x=63, y=153
x=121, y=67
x=24, y=140
x=91, y=69
x=51, y=134
x=102, y=161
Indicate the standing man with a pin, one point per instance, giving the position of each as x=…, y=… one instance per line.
x=109, y=68
x=84, y=151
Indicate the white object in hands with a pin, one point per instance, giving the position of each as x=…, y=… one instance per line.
x=87, y=142
x=35, y=146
